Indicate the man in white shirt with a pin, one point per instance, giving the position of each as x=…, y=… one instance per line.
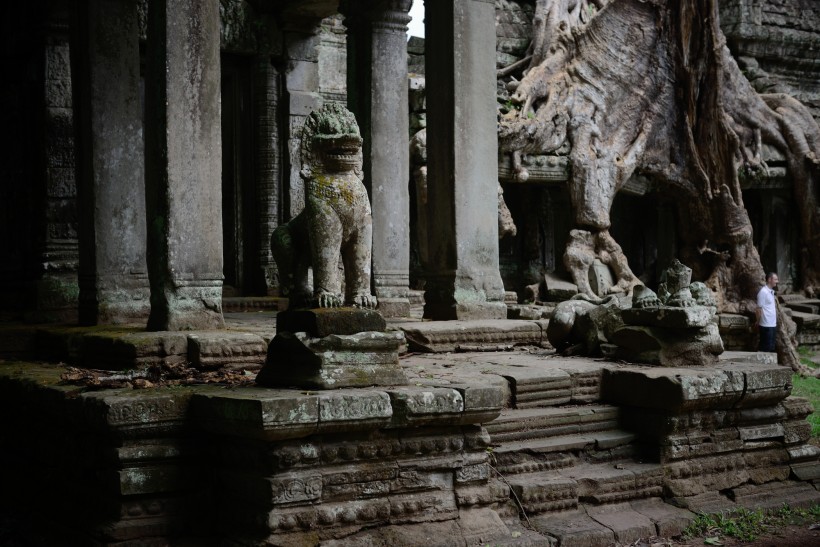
x=766, y=313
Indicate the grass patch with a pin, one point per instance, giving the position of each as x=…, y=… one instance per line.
x=808, y=388
x=746, y=525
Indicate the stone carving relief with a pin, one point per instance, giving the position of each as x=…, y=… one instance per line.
x=336, y=219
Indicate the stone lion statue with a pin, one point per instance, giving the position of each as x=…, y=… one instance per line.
x=336, y=219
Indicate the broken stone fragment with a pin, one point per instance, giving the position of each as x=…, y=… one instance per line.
x=669, y=318
x=334, y=361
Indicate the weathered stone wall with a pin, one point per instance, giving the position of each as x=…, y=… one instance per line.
x=513, y=29
x=333, y=60
x=776, y=43
x=38, y=190
x=282, y=466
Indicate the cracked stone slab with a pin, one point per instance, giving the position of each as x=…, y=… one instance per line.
x=669, y=521
x=574, y=529
x=627, y=524
x=684, y=389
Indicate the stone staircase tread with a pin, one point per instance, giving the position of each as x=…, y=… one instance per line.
x=627, y=524
x=551, y=421
x=574, y=529
x=565, y=443
x=514, y=414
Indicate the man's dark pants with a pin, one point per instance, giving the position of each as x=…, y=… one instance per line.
x=767, y=335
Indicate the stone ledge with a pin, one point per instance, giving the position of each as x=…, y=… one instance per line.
x=119, y=348
x=680, y=389
x=481, y=335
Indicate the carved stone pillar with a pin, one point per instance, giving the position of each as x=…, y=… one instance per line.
x=268, y=164
x=49, y=265
x=111, y=184
x=183, y=154
x=377, y=94
x=462, y=152
x=301, y=78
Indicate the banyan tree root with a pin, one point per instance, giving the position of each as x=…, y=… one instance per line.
x=650, y=86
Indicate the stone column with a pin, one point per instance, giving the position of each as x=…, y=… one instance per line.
x=183, y=160
x=301, y=78
x=53, y=261
x=111, y=185
x=462, y=153
x=268, y=164
x=377, y=94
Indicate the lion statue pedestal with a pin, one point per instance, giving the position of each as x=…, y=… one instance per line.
x=330, y=346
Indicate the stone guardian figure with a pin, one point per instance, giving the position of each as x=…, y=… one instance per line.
x=336, y=220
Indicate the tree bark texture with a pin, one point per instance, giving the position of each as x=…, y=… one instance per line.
x=650, y=86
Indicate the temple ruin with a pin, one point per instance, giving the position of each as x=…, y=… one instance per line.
x=563, y=222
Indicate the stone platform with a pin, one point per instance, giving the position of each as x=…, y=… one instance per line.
x=590, y=451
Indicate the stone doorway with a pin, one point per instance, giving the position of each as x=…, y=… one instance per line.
x=239, y=217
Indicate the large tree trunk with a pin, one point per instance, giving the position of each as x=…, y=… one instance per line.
x=651, y=86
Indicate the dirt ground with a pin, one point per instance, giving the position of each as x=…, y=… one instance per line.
x=789, y=536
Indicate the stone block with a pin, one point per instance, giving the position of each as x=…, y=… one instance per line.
x=574, y=529
x=773, y=495
x=674, y=389
x=111, y=348
x=708, y=503
x=145, y=479
x=470, y=495
x=668, y=347
x=707, y=474
x=539, y=492
x=764, y=358
x=444, y=336
x=728, y=322
x=607, y=484
x=557, y=289
x=765, y=384
x=804, y=452
x=302, y=103
x=121, y=409
x=430, y=534
x=670, y=521
x=423, y=507
x=351, y=409
x=225, y=349
x=321, y=322
x=414, y=406
x=806, y=471
x=483, y=526
x=335, y=361
x=327, y=515
x=627, y=524
x=669, y=318
x=256, y=413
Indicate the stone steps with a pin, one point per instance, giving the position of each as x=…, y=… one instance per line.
x=598, y=484
x=518, y=424
x=624, y=523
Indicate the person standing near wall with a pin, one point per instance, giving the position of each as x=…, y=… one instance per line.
x=766, y=313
